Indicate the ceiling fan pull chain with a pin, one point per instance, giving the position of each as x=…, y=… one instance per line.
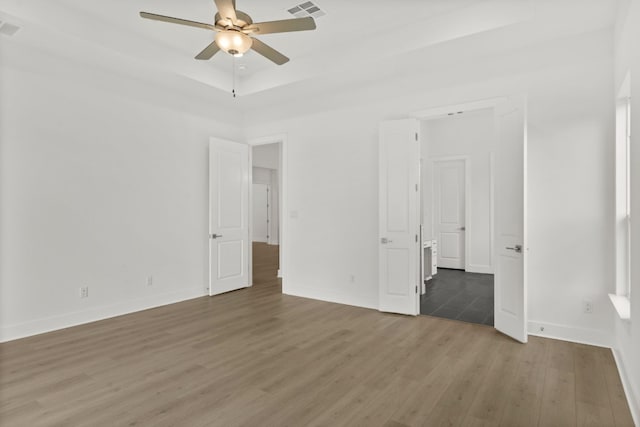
x=233, y=64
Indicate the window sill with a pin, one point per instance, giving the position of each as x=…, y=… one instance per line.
x=622, y=306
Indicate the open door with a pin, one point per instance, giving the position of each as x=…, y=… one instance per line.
x=399, y=212
x=510, y=211
x=228, y=216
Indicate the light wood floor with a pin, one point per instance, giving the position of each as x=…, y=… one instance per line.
x=258, y=358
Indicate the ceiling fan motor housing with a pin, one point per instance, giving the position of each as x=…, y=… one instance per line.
x=233, y=41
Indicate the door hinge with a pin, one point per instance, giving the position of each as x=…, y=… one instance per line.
x=416, y=289
x=416, y=238
x=416, y=136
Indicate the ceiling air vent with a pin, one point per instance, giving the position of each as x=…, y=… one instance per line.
x=306, y=9
x=7, y=29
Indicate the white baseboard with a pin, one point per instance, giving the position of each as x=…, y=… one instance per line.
x=259, y=240
x=53, y=323
x=280, y=273
x=631, y=392
x=316, y=294
x=483, y=269
x=568, y=333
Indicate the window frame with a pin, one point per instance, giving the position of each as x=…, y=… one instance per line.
x=622, y=297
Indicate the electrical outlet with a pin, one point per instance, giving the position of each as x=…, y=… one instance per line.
x=588, y=306
x=84, y=292
x=149, y=280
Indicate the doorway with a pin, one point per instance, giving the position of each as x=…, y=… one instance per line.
x=231, y=217
x=457, y=200
x=402, y=236
x=266, y=168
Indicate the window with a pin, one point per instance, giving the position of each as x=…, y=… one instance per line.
x=623, y=201
x=627, y=184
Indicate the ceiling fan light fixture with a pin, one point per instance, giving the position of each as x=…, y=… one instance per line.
x=233, y=42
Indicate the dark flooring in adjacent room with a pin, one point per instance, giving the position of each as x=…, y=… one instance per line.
x=456, y=294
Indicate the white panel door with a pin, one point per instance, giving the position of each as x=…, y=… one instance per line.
x=449, y=212
x=510, y=202
x=228, y=216
x=260, y=209
x=399, y=211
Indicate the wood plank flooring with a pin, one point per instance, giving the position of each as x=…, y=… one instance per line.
x=256, y=357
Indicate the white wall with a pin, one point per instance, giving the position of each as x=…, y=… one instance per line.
x=266, y=156
x=260, y=212
x=266, y=161
x=99, y=189
x=471, y=134
x=333, y=219
x=268, y=177
x=262, y=175
x=627, y=59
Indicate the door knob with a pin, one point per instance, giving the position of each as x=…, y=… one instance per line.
x=384, y=240
x=517, y=248
x=215, y=236
x=462, y=228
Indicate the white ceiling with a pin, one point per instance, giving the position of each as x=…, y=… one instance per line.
x=357, y=40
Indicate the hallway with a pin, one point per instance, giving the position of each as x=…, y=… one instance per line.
x=266, y=259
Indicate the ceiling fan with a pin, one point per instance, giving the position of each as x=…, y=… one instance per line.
x=235, y=30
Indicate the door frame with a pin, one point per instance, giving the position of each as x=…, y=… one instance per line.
x=283, y=220
x=495, y=104
x=467, y=204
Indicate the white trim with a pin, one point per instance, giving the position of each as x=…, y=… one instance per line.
x=54, y=323
x=622, y=305
x=600, y=338
x=632, y=395
x=283, y=207
x=250, y=220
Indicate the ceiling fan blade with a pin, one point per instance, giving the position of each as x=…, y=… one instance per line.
x=227, y=9
x=208, y=51
x=268, y=52
x=283, y=26
x=172, y=20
